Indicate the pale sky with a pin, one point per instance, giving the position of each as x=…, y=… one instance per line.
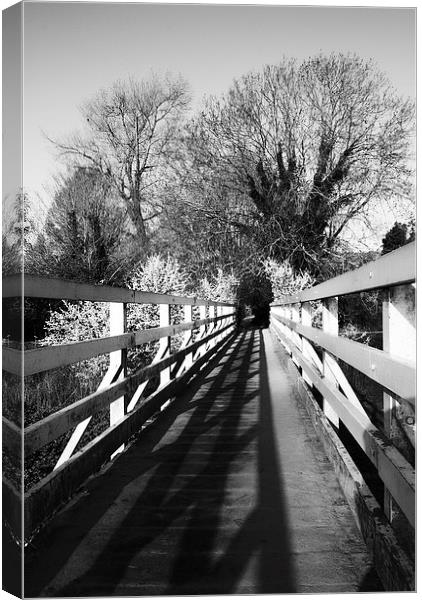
x=71, y=50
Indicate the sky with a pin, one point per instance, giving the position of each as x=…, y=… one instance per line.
x=71, y=50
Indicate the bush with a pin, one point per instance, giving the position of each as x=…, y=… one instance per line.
x=162, y=275
x=221, y=287
x=78, y=322
x=283, y=279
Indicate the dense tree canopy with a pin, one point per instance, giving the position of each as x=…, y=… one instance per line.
x=298, y=150
x=397, y=236
x=275, y=170
x=87, y=234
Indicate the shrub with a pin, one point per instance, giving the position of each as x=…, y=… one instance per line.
x=162, y=275
x=222, y=287
x=283, y=279
x=77, y=322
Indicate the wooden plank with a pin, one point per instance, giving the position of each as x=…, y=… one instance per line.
x=12, y=438
x=399, y=338
x=214, y=325
x=201, y=333
x=51, y=357
x=397, y=376
x=12, y=360
x=165, y=342
x=295, y=316
x=46, y=430
x=41, y=287
x=50, y=428
x=395, y=268
x=57, y=487
x=397, y=474
x=329, y=326
x=341, y=379
x=136, y=393
x=118, y=362
x=187, y=362
x=12, y=286
x=307, y=349
x=82, y=426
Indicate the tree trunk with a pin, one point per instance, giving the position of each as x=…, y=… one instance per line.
x=135, y=213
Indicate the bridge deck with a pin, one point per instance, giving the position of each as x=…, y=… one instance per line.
x=228, y=492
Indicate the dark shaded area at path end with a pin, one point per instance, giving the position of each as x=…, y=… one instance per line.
x=228, y=492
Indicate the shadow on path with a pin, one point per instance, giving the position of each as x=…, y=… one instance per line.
x=51, y=550
x=200, y=498
x=264, y=533
x=181, y=514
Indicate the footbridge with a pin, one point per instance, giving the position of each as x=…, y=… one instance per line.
x=240, y=460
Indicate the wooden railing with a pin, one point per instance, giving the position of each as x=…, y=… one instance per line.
x=315, y=352
x=122, y=393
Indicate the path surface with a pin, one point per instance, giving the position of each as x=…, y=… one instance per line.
x=229, y=492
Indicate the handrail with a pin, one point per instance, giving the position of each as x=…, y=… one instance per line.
x=33, y=286
x=394, y=374
x=393, y=368
x=46, y=430
x=50, y=357
x=392, y=467
x=123, y=393
x=395, y=268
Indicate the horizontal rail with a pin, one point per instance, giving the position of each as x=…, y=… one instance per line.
x=12, y=437
x=57, y=487
x=40, y=287
x=392, y=564
x=396, y=375
x=51, y=427
x=12, y=360
x=51, y=357
x=397, y=474
x=395, y=268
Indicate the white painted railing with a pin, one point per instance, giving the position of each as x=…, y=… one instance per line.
x=121, y=392
x=393, y=368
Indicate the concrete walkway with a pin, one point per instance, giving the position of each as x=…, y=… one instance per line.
x=229, y=492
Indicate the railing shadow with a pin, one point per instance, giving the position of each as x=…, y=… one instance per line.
x=197, y=564
x=163, y=501
x=264, y=533
x=87, y=512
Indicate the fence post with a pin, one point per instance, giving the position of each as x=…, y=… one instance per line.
x=284, y=330
x=306, y=320
x=219, y=312
x=188, y=311
x=329, y=325
x=164, y=348
x=185, y=364
x=213, y=326
x=399, y=339
x=118, y=362
x=225, y=310
x=202, y=330
x=294, y=336
x=117, y=369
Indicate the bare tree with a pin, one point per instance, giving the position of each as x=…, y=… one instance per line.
x=131, y=133
x=309, y=146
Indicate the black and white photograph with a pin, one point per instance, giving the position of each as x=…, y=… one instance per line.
x=209, y=317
